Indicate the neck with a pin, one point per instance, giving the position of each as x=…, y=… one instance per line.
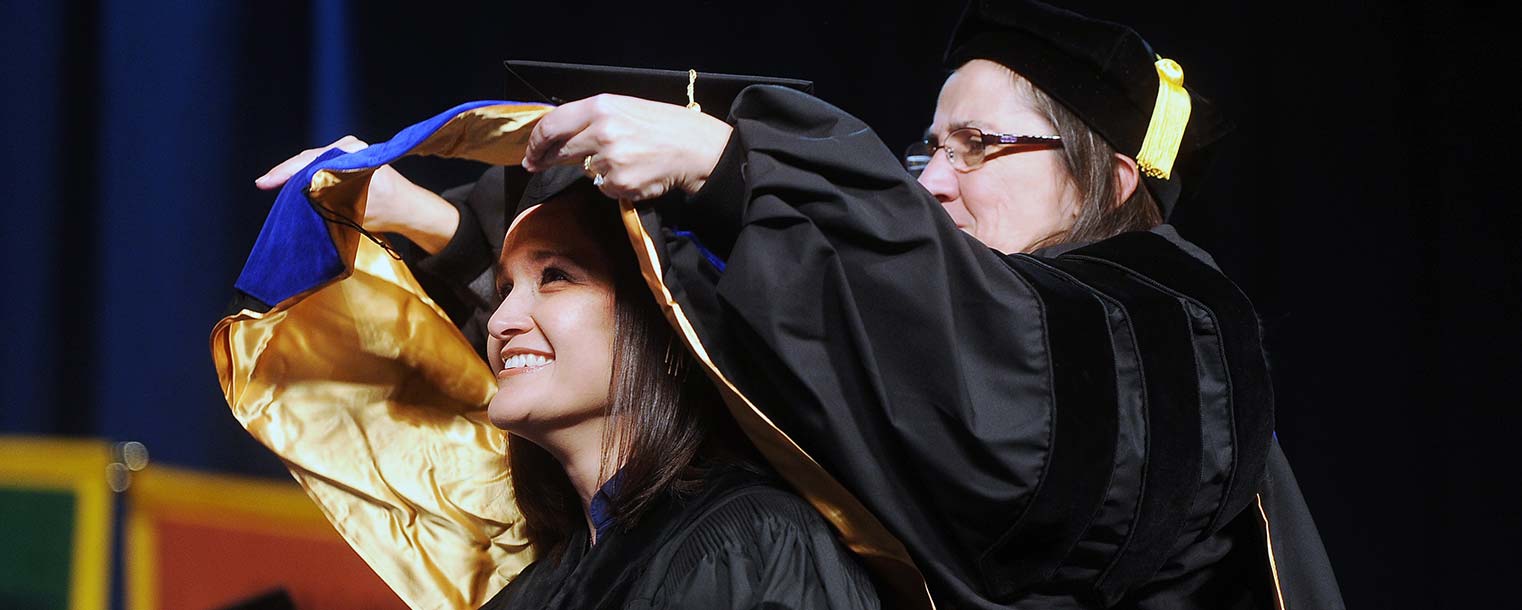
x=588, y=471
x=585, y=464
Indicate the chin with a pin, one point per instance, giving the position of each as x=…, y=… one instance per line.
x=510, y=413
x=529, y=411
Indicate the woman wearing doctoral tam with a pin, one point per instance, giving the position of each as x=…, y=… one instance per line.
x=1086, y=425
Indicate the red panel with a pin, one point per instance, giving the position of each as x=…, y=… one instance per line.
x=203, y=566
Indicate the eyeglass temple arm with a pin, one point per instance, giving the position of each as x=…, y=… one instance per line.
x=1005, y=138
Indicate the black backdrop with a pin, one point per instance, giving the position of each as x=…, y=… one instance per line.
x=1355, y=203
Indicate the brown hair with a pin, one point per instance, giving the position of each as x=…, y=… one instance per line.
x=1090, y=162
x=664, y=415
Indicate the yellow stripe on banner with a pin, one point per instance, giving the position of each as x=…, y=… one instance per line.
x=142, y=562
x=208, y=498
x=79, y=467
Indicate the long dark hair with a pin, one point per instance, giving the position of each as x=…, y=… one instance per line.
x=664, y=414
x=1090, y=162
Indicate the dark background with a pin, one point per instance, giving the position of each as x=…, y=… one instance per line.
x=1355, y=204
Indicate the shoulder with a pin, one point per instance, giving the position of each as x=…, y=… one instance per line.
x=755, y=543
x=1160, y=258
x=1171, y=235
x=741, y=507
x=1162, y=238
x=757, y=515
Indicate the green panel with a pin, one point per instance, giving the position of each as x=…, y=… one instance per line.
x=36, y=543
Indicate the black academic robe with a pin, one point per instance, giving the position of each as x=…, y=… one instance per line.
x=1085, y=427
x=741, y=542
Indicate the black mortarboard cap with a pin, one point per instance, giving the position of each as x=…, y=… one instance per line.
x=1104, y=72
x=558, y=83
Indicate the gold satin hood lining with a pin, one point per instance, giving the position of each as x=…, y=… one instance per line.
x=375, y=402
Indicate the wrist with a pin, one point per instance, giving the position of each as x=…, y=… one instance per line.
x=386, y=187
x=434, y=221
x=714, y=138
x=418, y=214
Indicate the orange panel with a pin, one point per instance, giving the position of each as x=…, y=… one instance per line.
x=198, y=541
x=206, y=566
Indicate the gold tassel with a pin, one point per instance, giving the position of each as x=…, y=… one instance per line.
x=1169, y=118
x=692, y=80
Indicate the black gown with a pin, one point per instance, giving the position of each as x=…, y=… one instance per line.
x=1084, y=427
x=1090, y=426
x=741, y=542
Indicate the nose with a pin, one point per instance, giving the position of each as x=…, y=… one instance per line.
x=940, y=178
x=512, y=317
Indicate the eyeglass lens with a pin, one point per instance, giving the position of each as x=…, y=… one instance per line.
x=964, y=148
x=917, y=157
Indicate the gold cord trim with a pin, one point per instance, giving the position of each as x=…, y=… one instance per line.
x=1273, y=565
x=1169, y=118
x=692, y=80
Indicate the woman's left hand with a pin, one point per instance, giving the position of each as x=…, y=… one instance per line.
x=642, y=149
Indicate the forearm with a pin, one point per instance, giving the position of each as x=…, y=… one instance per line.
x=429, y=221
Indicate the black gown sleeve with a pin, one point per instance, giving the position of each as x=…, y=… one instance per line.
x=763, y=549
x=1028, y=426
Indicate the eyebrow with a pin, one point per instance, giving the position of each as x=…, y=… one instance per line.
x=968, y=123
x=537, y=256
x=543, y=254
x=962, y=124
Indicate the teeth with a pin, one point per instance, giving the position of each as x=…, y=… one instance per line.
x=518, y=361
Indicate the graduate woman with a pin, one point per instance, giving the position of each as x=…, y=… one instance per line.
x=1088, y=426
x=625, y=483
x=636, y=488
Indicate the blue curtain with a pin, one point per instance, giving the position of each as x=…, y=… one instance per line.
x=134, y=132
x=29, y=35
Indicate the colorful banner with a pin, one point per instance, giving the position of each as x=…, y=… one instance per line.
x=199, y=540
x=55, y=523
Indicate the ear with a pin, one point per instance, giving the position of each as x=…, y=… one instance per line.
x=1126, y=177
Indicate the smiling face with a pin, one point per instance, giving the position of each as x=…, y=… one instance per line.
x=550, y=342
x=1017, y=198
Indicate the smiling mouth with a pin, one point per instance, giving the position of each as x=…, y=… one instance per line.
x=518, y=364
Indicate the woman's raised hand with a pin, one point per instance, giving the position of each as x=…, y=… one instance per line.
x=642, y=149
x=277, y=175
x=394, y=203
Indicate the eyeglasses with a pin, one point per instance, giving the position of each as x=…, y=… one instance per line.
x=967, y=148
